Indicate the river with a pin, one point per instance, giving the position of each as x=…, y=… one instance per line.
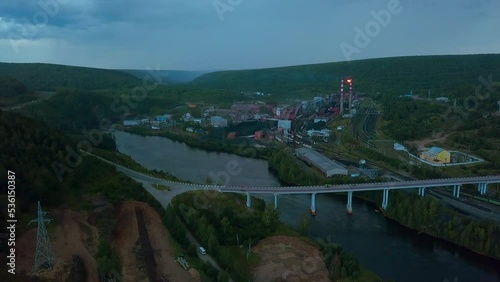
x=381, y=245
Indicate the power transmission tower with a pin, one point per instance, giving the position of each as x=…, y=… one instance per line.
x=44, y=256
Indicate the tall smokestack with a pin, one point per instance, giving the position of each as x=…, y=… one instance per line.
x=350, y=95
x=341, y=95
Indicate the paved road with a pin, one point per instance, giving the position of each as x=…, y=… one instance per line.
x=19, y=106
x=181, y=187
x=473, y=208
x=165, y=196
x=408, y=184
x=162, y=196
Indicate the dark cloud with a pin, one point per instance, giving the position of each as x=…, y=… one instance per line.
x=191, y=34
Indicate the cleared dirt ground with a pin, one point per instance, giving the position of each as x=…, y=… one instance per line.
x=73, y=235
x=289, y=259
x=125, y=241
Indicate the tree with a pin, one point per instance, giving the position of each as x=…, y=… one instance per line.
x=270, y=217
x=304, y=226
x=224, y=224
x=192, y=251
x=223, y=276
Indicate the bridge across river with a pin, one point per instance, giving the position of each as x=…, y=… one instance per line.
x=421, y=185
x=181, y=187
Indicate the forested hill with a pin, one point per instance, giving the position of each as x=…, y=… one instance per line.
x=49, y=77
x=12, y=91
x=11, y=87
x=451, y=75
x=170, y=76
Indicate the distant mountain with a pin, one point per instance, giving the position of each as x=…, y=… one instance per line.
x=170, y=76
x=452, y=76
x=49, y=77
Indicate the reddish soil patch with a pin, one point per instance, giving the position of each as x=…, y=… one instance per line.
x=68, y=240
x=73, y=235
x=127, y=236
x=289, y=259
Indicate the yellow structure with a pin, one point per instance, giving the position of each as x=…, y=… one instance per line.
x=436, y=155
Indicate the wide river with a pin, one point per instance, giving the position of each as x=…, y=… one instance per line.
x=381, y=245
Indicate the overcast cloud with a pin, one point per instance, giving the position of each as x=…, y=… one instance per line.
x=192, y=35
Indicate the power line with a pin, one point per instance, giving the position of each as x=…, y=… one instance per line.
x=44, y=257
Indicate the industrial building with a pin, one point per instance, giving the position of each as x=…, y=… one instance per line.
x=436, y=155
x=259, y=134
x=285, y=125
x=163, y=118
x=218, y=121
x=328, y=167
x=131, y=122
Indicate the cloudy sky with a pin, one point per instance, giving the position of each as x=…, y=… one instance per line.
x=240, y=34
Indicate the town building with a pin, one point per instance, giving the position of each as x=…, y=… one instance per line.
x=285, y=125
x=218, y=121
x=319, y=133
x=131, y=122
x=197, y=120
x=443, y=99
x=328, y=167
x=437, y=155
x=163, y=118
x=259, y=134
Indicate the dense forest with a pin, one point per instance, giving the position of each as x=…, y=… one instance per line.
x=409, y=118
x=30, y=149
x=222, y=223
x=49, y=77
x=425, y=214
x=451, y=76
x=13, y=92
x=10, y=87
x=170, y=76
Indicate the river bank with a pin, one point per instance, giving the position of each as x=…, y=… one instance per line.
x=200, y=142
x=368, y=235
x=440, y=222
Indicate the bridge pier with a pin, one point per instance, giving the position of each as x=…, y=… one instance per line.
x=249, y=200
x=275, y=200
x=313, y=204
x=385, y=199
x=349, y=202
x=421, y=191
x=456, y=191
x=482, y=188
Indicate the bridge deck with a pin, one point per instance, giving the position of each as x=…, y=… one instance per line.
x=365, y=186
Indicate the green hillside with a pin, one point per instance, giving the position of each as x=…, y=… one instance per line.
x=451, y=76
x=12, y=92
x=170, y=76
x=49, y=77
